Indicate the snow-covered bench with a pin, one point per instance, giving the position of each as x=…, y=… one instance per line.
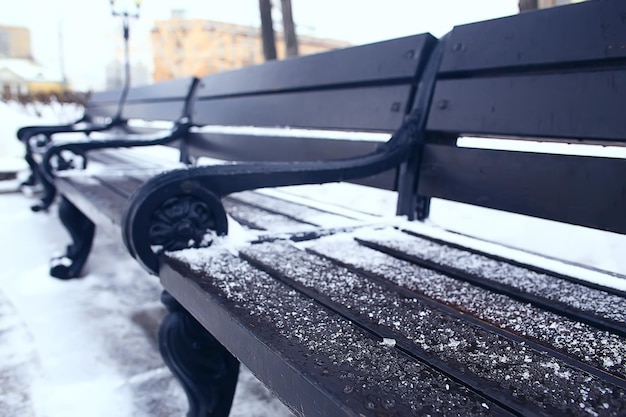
x=392, y=317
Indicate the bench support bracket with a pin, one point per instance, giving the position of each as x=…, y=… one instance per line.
x=205, y=369
x=81, y=230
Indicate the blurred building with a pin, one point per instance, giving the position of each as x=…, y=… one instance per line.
x=15, y=42
x=186, y=47
x=20, y=75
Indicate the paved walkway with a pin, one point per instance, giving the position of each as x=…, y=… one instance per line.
x=85, y=347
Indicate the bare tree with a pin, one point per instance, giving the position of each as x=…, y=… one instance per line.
x=291, y=40
x=525, y=5
x=267, y=30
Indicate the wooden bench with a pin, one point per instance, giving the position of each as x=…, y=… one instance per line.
x=399, y=319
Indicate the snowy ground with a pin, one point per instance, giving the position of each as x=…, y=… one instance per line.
x=87, y=347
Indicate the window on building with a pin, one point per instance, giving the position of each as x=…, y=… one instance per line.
x=4, y=44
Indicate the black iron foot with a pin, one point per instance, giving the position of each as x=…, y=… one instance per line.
x=81, y=230
x=205, y=369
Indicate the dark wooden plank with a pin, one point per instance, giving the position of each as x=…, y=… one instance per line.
x=162, y=101
x=166, y=110
x=375, y=108
x=104, y=97
x=101, y=204
x=253, y=148
x=104, y=110
x=259, y=219
x=586, y=191
x=315, y=360
x=482, y=356
x=589, y=31
x=394, y=59
x=247, y=147
x=299, y=212
x=586, y=105
x=174, y=89
x=104, y=103
x=552, y=330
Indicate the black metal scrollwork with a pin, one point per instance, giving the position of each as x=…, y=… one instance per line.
x=172, y=214
x=182, y=222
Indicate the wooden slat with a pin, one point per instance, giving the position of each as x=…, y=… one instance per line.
x=166, y=110
x=108, y=109
x=245, y=147
x=586, y=191
x=101, y=204
x=178, y=89
x=586, y=105
x=375, y=108
x=317, y=361
x=251, y=148
x=395, y=59
x=593, y=30
x=162, y=101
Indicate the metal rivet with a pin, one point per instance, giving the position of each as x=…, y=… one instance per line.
x=396, y=107
x=410, y=54
x=442, y=104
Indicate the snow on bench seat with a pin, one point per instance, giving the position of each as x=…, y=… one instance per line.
x=317, y=304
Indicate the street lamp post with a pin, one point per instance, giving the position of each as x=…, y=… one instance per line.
x=126, y=16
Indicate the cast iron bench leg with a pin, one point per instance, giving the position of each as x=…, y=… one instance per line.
x=81, y=230
x=205, y=369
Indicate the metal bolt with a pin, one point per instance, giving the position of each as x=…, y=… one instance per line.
x=442, y=104
x=396, y=107
x=410, y=54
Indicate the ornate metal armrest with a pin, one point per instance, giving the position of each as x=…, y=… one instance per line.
x=182, y=208
x=81, y=148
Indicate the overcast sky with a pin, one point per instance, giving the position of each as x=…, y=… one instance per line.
x=91, y=35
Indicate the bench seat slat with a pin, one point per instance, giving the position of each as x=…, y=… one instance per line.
x=599, y=307
x=494, y=362
x=597, y=348
x=101, y=204
x=463, y=349
x=318, y=362
x=299, y=212
x=259, y=219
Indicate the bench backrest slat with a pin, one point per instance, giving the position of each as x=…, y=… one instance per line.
x=556, y=74
x=163, y=101
x=361, y=88
x=586, y=191
x=373, y=109
x=588, y=31
x=581, y=105
x=104, y=104
x=269, y=148
x=382, y=61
